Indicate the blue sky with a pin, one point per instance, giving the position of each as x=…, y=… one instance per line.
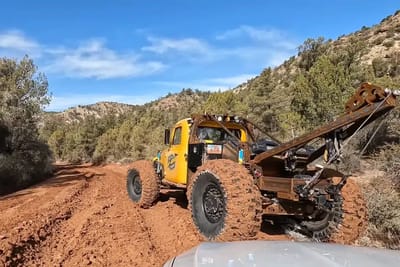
x=138, y=51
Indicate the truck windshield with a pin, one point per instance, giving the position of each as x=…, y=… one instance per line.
x=215, y=134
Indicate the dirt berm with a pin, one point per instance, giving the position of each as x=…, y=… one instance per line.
x=83, y=216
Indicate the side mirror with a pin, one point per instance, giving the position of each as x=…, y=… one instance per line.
x=166, y=136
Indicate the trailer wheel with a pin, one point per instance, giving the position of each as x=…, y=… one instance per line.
x=224, y=201
x=142, y=184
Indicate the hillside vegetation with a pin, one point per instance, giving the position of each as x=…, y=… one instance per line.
x=301, y=94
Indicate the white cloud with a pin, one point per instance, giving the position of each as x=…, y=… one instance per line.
x=16, y=43
x=186, y=45
x=272, y=37
x=17, y=40
x=93, y=59
x=90, y=59
x=60, y=103
x=244, y=45
x=254, y=33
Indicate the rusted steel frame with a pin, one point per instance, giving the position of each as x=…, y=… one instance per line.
x=366, y=94
x=336, y=124
x=353, y=128
x=279, y=209
x=285, y=186
x=345, y=134
x=284, y=207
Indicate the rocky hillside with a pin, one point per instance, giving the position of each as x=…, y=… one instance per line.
x=380, y=42
x=370, y=54
x=383, y=40
x=97, y=110
x=184, y=99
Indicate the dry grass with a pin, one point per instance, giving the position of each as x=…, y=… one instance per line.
x=383, y=201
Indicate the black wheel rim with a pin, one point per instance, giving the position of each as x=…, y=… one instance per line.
x=137, y=186
x=213, y=203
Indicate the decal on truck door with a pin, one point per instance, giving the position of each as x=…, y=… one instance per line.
x=171, y=161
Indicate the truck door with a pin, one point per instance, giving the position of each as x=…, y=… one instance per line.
x=176, y=167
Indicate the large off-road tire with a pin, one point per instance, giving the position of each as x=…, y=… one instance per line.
x=326, y=223
x=142, y=184
x=346, y=221
x=224, y=201
x=355, y=216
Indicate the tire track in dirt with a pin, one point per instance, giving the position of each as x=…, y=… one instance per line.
x=26, y=238
x=64, y=240
x=98, y=233
x=167, y=224
x=133, y=212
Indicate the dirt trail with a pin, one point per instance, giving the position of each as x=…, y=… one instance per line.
x=83, y=216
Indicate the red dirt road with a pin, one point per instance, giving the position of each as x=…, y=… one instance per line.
x=83, y=216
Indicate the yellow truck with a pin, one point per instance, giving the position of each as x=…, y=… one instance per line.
x=234, y=175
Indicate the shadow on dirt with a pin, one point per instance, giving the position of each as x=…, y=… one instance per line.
x=68, y=179
x=59, y=167
x=270, y=228
x=16, y=195
x=177, y=196
x=63, y=175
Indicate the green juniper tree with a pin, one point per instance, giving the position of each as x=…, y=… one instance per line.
x=23, y=95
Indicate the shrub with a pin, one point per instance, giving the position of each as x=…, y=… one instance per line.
x=390, y=163
x=385, y=19
x=388, y=43
x=364, y=28
x=380, y=67
x=24, y=159
x=350, y=163
x=378, y=40
x=383, y=201
x=390, y=33
x=23, y=168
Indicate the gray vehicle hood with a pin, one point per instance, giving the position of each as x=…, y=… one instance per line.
x=283, y=253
